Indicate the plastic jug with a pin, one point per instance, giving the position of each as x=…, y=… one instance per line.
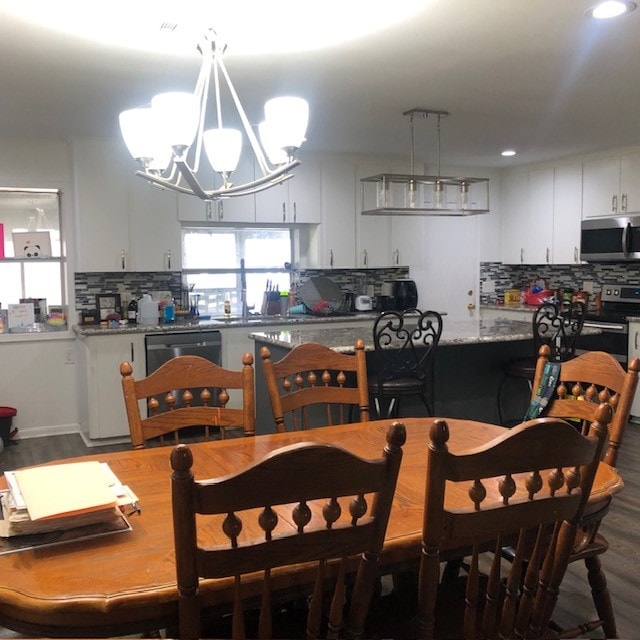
x=147, y=310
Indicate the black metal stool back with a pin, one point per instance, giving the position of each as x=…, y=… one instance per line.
x=554, y=325
x=559, y=327
x=405, y=344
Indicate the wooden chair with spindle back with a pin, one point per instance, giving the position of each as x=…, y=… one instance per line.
x=530, y=486
x=192, y=391
x=313, y=374
x=583, y=383
x=320, y=517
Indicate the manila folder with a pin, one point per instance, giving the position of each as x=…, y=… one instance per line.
x=59, y=490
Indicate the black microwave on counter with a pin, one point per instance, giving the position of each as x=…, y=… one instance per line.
x=610, y=239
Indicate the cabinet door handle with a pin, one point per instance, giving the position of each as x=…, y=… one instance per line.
x=169, y=259
x=396, y=256
x=123, y=259
x=614, y=203
x=295, y=211
x=132, y=353
x=623, y=202
x=575, y=254
x=635, y=340
x=220, y=210
x=521, y=256
x=331, y=257
x=284, y=212
x=547, y=255
x=364, y=257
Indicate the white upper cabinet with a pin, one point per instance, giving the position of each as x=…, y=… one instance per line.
x=100, y=169
x=567, y=213
x=600, y=187
x=155, y=238
x=630, y=183
x=338, y=230
x=373, y=232
x=295, y=201
x=542, y=213
x=538, y=230
x=514, y=212
x=611, y=186
x=123, y=223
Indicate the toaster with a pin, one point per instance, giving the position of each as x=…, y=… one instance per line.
x=364, y=303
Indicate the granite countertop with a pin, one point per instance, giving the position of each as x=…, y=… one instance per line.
x=508, y=307
x=453, y=333
x=221, y=323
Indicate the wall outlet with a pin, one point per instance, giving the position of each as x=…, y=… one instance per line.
x=70, y=356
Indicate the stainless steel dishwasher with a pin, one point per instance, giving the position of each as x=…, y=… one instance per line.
x=163, y=347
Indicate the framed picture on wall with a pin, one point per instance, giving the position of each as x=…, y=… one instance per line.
x=107, y=303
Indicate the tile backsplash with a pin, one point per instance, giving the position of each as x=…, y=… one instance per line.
x=496, y=278
x=128, y=285
x=135, y=284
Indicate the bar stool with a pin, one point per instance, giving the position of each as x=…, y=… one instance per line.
x=554, y=325
x=405, y=343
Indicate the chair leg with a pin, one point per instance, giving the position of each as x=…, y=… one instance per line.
x=601, y=596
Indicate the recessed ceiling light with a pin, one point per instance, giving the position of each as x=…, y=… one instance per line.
x=508, y=152
x=610, y=9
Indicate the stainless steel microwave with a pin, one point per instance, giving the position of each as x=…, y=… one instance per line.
x=610, y=239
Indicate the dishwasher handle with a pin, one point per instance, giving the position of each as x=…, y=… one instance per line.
x=181, y=345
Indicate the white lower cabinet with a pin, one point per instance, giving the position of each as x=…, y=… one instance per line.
x=102, y=412
x=634, y=352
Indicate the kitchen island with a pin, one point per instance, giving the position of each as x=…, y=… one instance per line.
x=468, y=364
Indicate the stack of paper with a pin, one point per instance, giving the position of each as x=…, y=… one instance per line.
x=62, y=496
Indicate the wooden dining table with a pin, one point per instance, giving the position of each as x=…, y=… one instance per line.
x=125, y=583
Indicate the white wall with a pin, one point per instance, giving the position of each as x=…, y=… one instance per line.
x=34, y=377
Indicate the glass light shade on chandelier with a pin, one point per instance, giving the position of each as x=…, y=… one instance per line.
x=167, y=137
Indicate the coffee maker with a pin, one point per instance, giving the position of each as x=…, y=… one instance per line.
x=405, y=294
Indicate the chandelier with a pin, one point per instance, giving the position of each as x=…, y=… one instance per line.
x=167, y=137
x=411, y=194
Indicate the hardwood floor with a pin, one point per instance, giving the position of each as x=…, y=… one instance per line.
x=621, y=563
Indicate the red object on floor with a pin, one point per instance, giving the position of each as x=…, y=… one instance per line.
x=6, y=417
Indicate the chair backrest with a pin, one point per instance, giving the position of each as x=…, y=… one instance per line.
x=585, y=382
x=559, y=327
x=413, y=336
x=320, y=516
x=313, y=374
x=195, y=392
x=527, y=487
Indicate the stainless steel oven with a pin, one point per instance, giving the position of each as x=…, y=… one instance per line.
x=619, y=302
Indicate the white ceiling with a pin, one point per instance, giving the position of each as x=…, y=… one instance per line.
x=535, y=75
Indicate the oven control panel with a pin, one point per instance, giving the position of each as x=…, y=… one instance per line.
x=620, y=293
